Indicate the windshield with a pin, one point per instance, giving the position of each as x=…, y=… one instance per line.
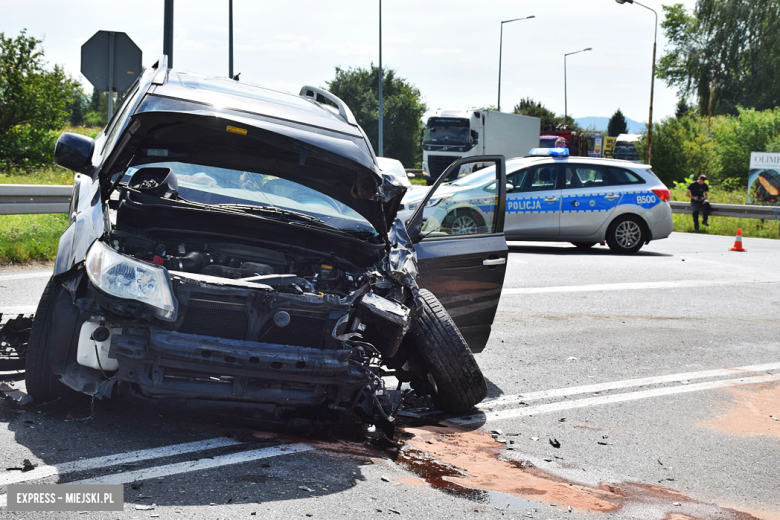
x=485, y=175
x=220, y=186
x=447, y=131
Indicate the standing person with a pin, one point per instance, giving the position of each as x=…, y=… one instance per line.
x=698, y=192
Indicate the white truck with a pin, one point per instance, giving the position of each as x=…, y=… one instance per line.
x=451, y=134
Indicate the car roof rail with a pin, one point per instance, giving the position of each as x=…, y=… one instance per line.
x=162, y=70
x=320, y=96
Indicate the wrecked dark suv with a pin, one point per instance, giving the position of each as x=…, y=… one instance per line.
x=234, y=250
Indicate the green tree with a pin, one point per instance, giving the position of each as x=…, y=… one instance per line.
x=402, y=108
x=681, y=149
x=550, y=121
x=682, y=109
x=617, y=124
x=33, y=100
x=737, y=43
x=750, y=131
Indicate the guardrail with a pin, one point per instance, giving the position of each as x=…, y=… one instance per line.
x=29, y=199
x=731, y=210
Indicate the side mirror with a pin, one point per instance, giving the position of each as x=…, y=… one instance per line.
x=509, y=187
x=410, y=175
x=422, y=135
x=475, y=136
x=73, y=151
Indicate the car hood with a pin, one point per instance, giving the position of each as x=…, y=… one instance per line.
x=334, y=163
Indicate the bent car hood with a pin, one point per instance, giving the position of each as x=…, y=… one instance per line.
x=334, y=163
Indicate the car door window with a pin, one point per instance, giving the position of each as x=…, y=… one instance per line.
x=623, y=177
x=586, y=176
x=465, y=207
x=537, y=178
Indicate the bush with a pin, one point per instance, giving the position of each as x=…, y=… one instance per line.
x=736, y=137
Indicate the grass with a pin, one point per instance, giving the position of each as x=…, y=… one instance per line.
x=751, y=227
x=28, y=238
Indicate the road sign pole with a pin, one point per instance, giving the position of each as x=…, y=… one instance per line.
x=111, y=37
x=168, y=32
x=230, y=39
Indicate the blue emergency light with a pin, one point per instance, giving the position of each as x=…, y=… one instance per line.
x=548, y=152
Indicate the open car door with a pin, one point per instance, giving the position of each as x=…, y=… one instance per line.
x=458, y=233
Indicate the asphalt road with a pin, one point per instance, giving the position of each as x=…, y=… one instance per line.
x=657, y=376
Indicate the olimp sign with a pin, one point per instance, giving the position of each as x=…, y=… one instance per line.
x=764, y=179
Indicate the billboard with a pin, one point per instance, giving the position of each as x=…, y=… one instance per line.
x=764, y=179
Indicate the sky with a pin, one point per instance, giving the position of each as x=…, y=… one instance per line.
x=447, y=49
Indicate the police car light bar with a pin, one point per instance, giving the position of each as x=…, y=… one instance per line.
x=548, y=152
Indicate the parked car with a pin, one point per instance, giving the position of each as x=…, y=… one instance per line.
x=554, y=197
x=234, y=250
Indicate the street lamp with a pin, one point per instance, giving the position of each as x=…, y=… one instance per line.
x=691, y=50
x=500, y=49
x=565, y=88
x=652, y=78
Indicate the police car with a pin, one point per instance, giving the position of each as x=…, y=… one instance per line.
x=554, y=197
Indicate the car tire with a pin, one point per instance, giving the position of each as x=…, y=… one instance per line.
x=463, y=222
x=584, y=245
x=458, y=383
x=626, y=235
x=42, y=384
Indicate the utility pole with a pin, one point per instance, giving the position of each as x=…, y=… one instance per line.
x=168, y=32
x=381, y=75
x=230, y=39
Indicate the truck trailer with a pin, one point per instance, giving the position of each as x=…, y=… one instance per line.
x=451, y=134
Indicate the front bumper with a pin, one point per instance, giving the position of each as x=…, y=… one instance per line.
x=164, y=364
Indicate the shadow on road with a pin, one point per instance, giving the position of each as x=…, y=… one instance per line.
x=562, y=250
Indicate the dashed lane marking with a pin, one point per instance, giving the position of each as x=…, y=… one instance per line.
x=608, y=399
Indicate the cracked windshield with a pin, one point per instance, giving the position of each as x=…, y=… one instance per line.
x=220, y=186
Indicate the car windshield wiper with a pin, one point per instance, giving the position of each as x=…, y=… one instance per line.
x=284, y=214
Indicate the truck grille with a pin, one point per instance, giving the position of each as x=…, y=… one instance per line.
x=438, y=163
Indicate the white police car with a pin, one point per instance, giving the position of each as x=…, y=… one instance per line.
x=554, y=197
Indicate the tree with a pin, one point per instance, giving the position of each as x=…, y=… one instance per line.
x=30, y=94
x=682, y=109
x=737, y=43
x=617, y=124
x=402, y=108
x=550, y=121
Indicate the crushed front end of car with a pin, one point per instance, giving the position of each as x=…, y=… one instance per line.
x=220, y=261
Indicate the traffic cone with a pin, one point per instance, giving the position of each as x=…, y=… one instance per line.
x=738, y=242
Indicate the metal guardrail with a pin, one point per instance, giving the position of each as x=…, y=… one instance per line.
x=731, y=210
x=29, y=199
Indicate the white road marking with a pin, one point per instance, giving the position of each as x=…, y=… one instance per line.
x=25, y=276
x=609, y=399
x=185, y=467
x=681, y=284
x=617, y=385
x=116, y=459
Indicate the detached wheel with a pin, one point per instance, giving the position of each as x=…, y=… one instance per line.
x=584, y=246
x=453, y=373
x=42, y=384
x=463, y=222
x=625, y=235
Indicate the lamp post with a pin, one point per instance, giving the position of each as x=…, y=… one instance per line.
x=380, y=79
x=500, y=49
x=230, y=39
x=652, y=77
x=691, y=50
x=565, y=87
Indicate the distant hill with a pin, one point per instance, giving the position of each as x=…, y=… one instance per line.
x=634, y=127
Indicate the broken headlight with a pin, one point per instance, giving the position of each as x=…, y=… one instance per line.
x=128, y=278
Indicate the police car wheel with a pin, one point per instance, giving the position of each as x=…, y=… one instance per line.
x=625, y=235
x=452, y=375
x=463, y=222
x=584, y=245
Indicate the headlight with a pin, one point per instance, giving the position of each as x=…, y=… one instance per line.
x=412, y=206
x=434, y=202
x=125, y=277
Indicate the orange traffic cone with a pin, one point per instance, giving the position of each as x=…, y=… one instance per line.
x=738, y=242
